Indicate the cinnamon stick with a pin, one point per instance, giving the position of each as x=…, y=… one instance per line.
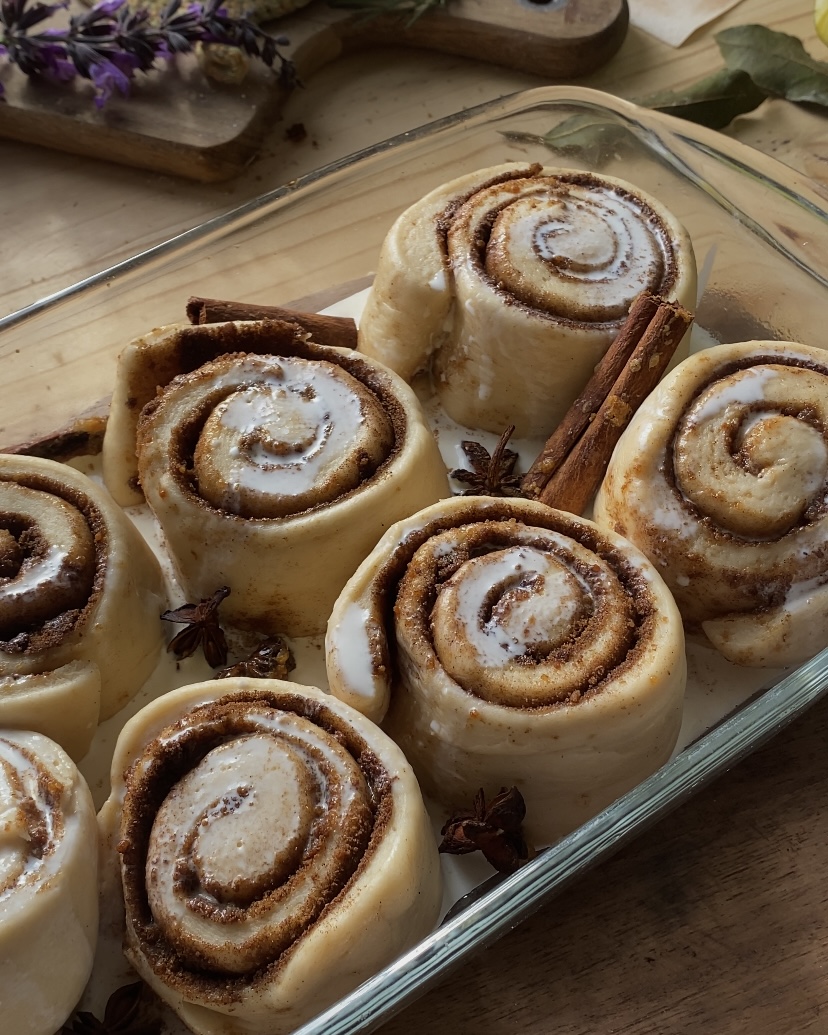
x=325, y=330
x=571, y=465
x=582, y=411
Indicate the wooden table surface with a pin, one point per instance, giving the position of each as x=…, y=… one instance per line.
x=717, y=919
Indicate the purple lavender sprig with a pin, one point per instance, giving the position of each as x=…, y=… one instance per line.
x=110, y=43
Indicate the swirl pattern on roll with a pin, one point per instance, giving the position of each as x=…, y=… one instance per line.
x=48, y=883
x=274, y=852
x=288, y=434
x=80, y=599
x=527, y=649
x=722, y=480
x=274, y=467
x=511, y=282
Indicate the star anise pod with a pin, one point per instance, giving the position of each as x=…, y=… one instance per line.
x=203, y=629
x=490, y=475
x=494, y=829
x=272, y=659
x=124, y=1014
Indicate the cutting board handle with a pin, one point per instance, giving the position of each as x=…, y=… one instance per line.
x=178, y=122
x=558, y=39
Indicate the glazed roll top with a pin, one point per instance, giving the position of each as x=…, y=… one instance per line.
x=48, y=884
x=80, y=599
x=721, y=479
x=504, y=643
x=286, y=435
x=274, y=473
x=511, y=283
x=274, y=852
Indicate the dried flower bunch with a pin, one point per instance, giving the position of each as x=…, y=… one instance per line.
x=111, y=42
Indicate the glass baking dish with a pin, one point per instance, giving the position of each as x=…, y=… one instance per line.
x=760, y=235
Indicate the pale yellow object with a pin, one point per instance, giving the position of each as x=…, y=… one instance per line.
x=91, y=632
x=287, y=784
x=721, y=479
x=526, y=648
x=509, y=283
x=48, y=884
x=286, y=555
x=821, y=19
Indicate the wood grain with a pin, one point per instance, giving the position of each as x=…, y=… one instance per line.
x=715, y=920
x=175, y=122
x=65, y=217
x=553, y=40
x=179, y=121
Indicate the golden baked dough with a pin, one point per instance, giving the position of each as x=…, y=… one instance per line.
x=48, y=884
x=274, y=852
x=510, y=282
x=503, y=643
x=272, y=464
x=721, y=479
x=81, y=596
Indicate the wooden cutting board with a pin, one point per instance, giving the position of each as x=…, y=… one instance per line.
x=178, y=121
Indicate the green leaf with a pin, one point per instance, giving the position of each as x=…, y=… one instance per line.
x=713, y=101
x=776, y=62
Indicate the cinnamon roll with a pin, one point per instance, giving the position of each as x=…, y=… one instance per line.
x=48, y=884
x=272, y=468
x=504, y=643
x=511, y=282
x=274, y=852
x=80, y=599
x=722, y=480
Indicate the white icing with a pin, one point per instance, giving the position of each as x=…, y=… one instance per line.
x=545, y=613
x=47, y=569
x=17, y=864
x=48, y=884
x=587, y=239
x=800, y=596
x=746, y=388
x=238, y=814
x=353, y=649
x=297, y=430
x=351, y=306
x=24, y=809
x=62, y=527
x=580, y=249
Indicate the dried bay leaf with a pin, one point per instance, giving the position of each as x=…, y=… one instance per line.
x=776, y=62
x=591, y=137
x=760, y=63
x=713, y=101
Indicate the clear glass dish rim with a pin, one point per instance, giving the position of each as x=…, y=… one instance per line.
x=714, y=143
x=491, y=914
x=511, y=901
